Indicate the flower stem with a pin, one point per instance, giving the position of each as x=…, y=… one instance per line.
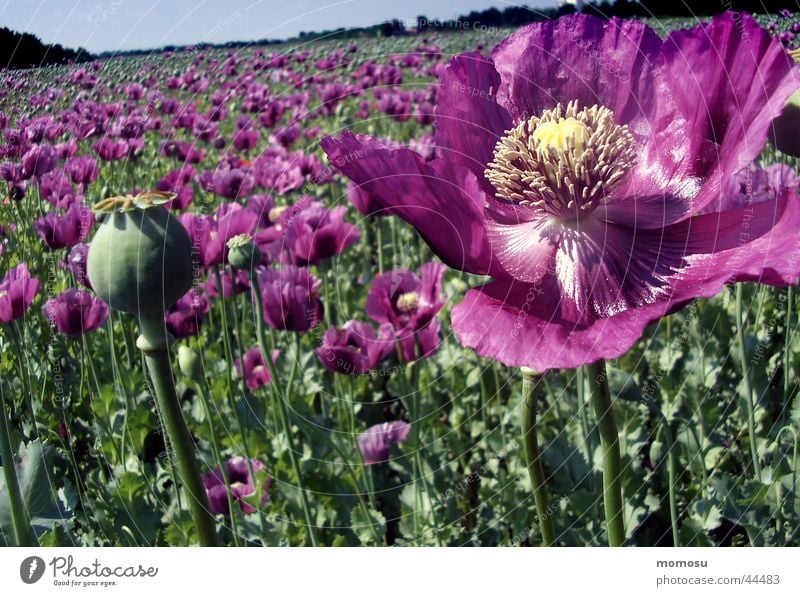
x=533, y=460
x=154, y=344
x=748, y=387
x=205, y=400
x=23, y=531
x=609, y=443
x=787, y=351
x=281, y=398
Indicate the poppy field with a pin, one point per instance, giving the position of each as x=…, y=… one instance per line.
x=488, y=287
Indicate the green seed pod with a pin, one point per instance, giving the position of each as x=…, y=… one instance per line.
x=140, y=260
x=242, y=252
x=657, y=452
x=190, y=363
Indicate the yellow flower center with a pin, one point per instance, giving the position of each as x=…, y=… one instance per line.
x=563, y=162
x=3, y=294
x=408, y=302
x=276, y=212
x=563, y=134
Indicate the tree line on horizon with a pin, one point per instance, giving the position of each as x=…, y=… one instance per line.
x=25, y=50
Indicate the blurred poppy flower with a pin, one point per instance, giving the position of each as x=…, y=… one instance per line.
x=17, y=291
x=291, y=298
x=356, y=349
x=253, y=368
x=410, y=303
x=375, y=442
x=241, y=482
x=64, y=231
x=76, y=312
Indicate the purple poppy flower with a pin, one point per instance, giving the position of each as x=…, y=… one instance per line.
x=11, y=172
x=233, y=183
x=66, y=230
x=56, y=188
x=261, y=205
x=184, y=318
x=245, y=140
x=241, y=483
x=75, y=312
x=363, y=202
x=755, y=184
x=584, y=198
x=210, y=234
x=110, y=149
x=179, y=182
x=231, y=285
x=17, y=291
x=39, y=160
x=255, y=371
x=291, y=298
x=409, y=303
x=16, y=191
x=375, y=442
x=76, y=264
x=316, y=233
x=82, y=170
x=356, y=349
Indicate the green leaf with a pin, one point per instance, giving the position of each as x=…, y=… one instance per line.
x=369, y=526
x=39, y=492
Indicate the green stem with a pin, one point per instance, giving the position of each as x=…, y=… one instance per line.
x=205, y=401
x=379, y=225
x=27, y=386
x=23, y=532
x=155, y=346
x=671, y=473
x=281, y=398
x=787, y=352
x=748, y=387
x=232, y=390
x=533, y=460
x=609, y=443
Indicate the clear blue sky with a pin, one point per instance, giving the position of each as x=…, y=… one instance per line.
x=108, y=25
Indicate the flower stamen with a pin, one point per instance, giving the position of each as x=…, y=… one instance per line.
x=563, y=162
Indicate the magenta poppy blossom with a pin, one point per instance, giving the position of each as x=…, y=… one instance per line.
x=233, y=183
x=577, y=165
x=82, y=170
x=756, y=184
x=76, y=263
x=39, y=160
x=232, y=285
x=315, y=233
x=184, y=318
x=363, y=202
x=56, y=188
x=210, y=234
x=291, y=298
x=17, y=291
x=356, y=348
x=110, y=149
x=254, y=370
x=375, y=442
x=76, y=312
x=64, y=231
x=179, y=182
x=409, y=303
x=241, y=482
